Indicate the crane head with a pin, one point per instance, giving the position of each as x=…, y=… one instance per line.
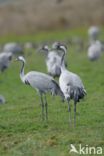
x=59, y=46
x=21, y=58
x=44, y=48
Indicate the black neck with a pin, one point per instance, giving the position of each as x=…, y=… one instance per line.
x=22, y=68
x=62, y=59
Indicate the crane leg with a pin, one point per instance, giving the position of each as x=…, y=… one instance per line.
x=46, y=107
x=74, y=114
x=42, y=104
x=69, y=110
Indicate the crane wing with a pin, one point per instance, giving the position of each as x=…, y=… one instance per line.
x=43, y=82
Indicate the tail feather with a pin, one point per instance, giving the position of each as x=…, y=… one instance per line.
x=79, y=93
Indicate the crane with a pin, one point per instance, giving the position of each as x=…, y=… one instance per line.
x=13, y=47
x=43, y=83
x=53, y=60
x=95, y=50
x=5, y=59
x=70, y=83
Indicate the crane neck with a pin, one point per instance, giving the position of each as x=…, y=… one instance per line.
x=22, y=71
x=63, y=63
x=62, y=60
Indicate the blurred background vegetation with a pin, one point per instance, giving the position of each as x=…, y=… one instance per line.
x=30, y=16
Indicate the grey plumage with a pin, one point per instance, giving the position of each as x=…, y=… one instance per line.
x=53, y=60
x=70, y=83
x=95, y=50
x=5, y=59
x=43, y=83
x=93, y=32
x=13, y=47
x=2, y=99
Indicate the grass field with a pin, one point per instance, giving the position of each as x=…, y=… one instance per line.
x=23, y=133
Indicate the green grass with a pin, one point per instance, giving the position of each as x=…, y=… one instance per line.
x=23, y=133
x=46, y=35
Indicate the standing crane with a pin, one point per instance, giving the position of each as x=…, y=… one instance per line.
x=70, y=83
x=95, y=50
x=53, y=60
x=14, y=48
x=2, y=99
x=5, y=60
x=42, y=83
